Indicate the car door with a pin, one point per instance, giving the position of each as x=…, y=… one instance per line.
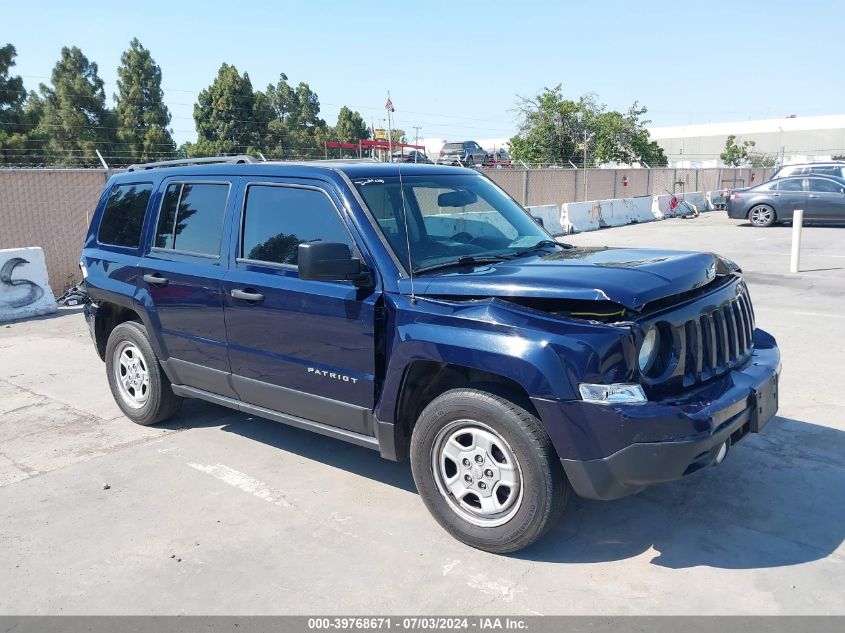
x=181, y=281
x=825, y=200
x=788, y=195
x=476, y=152
x=300, y=347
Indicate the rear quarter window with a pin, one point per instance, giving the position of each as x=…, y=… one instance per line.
x=123, y=217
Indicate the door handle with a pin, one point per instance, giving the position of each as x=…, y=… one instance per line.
x=246, y=295
x=812, y=196
x=156, y=279
x=775, y=195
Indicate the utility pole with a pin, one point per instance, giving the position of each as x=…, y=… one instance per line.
x=417, y=129
x=585, y=164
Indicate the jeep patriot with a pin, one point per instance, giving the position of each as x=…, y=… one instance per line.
x=419, y=311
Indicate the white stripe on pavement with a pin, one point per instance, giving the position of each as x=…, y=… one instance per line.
x=244, y=482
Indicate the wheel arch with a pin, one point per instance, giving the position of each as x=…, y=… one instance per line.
x=425, y=380
x=108, y=316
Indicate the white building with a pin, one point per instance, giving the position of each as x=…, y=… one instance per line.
x=797, y=139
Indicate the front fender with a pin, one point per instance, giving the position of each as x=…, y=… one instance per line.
x=546, y=356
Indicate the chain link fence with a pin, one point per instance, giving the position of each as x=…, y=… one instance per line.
x=555, y=186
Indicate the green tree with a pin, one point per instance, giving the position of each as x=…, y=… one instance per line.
x=552, y=130
x=225, y=116
x=350, y=127
x=13, y=120
x=294, y=128
x=759, y=160
x=142, y=117
x=736, y=154
x=75, y=120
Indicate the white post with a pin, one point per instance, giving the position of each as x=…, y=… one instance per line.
x=797, y=221
x=102, y=160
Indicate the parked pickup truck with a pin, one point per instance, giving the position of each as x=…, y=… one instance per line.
x=419, y=311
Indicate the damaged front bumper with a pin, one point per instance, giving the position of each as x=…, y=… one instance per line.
x=611, y=451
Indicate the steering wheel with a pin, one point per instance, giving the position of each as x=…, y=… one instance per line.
x=463, y=236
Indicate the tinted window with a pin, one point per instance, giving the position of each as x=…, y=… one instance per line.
x=278, y=219
x=123, y=216
x=453, y=146
x=793, y=184
x=825, y=171
x=825, y=186
x=191, y=218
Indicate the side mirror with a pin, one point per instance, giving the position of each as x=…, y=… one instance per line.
x=330, y=261
x=539, y=221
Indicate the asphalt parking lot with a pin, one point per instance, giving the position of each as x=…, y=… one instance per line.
x=219, y=513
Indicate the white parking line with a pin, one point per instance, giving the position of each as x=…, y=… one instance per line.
x=244, y=482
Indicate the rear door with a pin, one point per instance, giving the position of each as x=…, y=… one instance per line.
x=300, y=347
x=825, y=200
x=789, y=195
x=182, y=272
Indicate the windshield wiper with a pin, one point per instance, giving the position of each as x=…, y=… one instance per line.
x=538, y=245
x=466, y=260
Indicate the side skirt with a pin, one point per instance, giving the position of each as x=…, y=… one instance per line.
x=309, y=425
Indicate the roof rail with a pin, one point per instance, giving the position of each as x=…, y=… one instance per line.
x=242, y=158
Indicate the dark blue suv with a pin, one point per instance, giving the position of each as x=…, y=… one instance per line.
x=419, y=311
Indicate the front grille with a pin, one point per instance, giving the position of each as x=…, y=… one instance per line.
x=718, y=340
x=709, y=337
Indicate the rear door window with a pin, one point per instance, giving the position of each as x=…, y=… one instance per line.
x=791, y=184
x=123, y=217
x=191, y=217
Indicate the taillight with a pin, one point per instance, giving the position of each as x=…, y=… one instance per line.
x=442, y=152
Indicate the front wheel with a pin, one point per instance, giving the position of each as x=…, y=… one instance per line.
x=486, y=470
x=762, y=215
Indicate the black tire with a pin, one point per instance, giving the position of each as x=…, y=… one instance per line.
x=762, y=215
x=158, y=400
x=544, y=489
x=470, y=161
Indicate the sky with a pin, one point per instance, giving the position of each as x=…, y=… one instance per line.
x=455, y=68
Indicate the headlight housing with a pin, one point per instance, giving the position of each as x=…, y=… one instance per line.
x=649, y=350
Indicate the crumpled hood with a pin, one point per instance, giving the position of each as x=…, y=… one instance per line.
x=630, y=277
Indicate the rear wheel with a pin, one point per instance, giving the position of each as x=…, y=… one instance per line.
x=470, y=161
x=762, y=215
x=486, y=470
x=137, y=381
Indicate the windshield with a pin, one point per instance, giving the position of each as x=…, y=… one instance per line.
x=450, y=218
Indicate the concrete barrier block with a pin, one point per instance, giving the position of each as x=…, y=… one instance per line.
x=24, y=288
x=670, y=206
x=622, y=211
x=551, y=216
x=581, y=216
x=716, y=200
